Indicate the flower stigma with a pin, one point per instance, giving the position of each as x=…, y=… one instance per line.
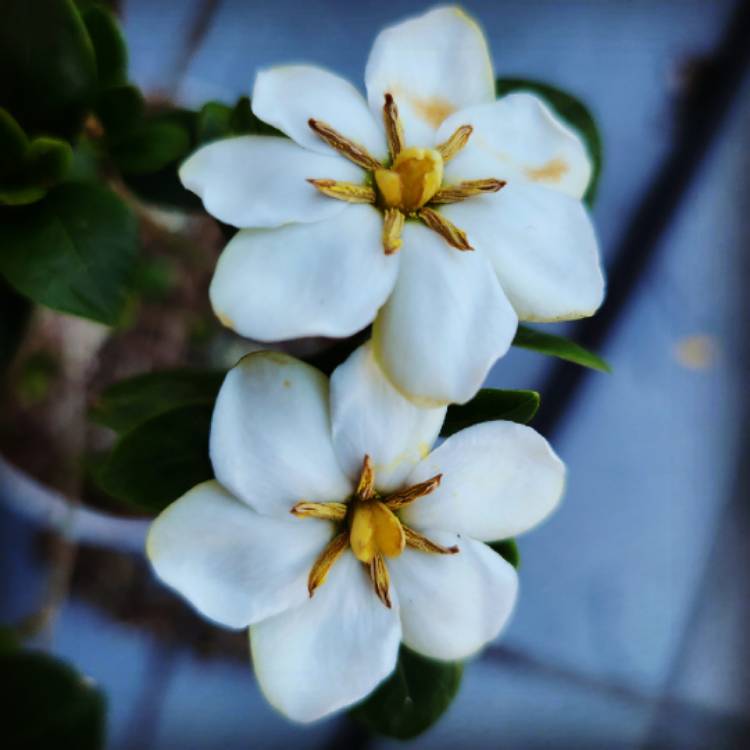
x=409, y=185
x=368, y=523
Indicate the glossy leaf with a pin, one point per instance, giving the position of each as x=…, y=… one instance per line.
x=508, y=550
x=72, y=251
x=558, y=346
x=47, y=704
x=161, y=459
x=120, y=109
x=109, y=46
x=150, y=146
x=214, y=122
x=125, y=405
x=48, y=65
x=489, y=404
x=574, y=112
x=413, y=698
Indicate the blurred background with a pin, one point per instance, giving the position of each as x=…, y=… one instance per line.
x=633, y=625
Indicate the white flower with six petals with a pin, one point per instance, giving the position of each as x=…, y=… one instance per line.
x=322, y=214
x=335, y=534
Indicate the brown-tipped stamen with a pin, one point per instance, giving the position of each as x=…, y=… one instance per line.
x=410, y=494
x=394, y=130
x=423, y=544
x=454, y=236
x=393, y=226
x=380, y=579
x=324, y=511
x=344, y=191
x=468, y=189
x=366, y=485
x=448, y=149
x=351, y=150
x=322, y=566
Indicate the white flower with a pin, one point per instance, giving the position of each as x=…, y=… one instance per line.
x=317, y=484
x=323, y=213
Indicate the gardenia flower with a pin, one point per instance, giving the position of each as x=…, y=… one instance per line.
x=334, y=533
x=437, y=212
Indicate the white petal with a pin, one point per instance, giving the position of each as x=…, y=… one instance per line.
x=499, y=480
x=446, y=322
x=270, y=439
x=288, y=96
x=261, y=181
x=322, y=279
x=369, y=416
x=331, y=651
x=433, y=65
x=542, y=246
x=518, y=137
x=452, y=605
x=232, y=564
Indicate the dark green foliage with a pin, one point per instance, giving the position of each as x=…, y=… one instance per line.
x=558, y=346
x=72, y=251
x=488, y=404
x=413, y=698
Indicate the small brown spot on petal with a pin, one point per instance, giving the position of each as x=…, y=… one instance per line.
x=552, y=171
x=433, y=109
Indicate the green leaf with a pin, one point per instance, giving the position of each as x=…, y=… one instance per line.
x=109, y=46
x=413, y=698
x=48, y=160
x=47, y=704
x=488, y=404
x=125, y=405
x=120, y=109
x=245, y=121
x=160, y=459
x=72, y=251
x=508, y=550
x=574, y=112
x=558, y=346
x=13, y=144
x=149, y=147
x=214, y=122
x=29, y=169
x=48, y=65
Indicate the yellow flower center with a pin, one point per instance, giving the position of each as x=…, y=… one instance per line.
x=414, y=178
x=369, y=524
x=410, y=187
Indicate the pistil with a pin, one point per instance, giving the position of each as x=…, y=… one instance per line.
x=406, y=186
x=370, y=526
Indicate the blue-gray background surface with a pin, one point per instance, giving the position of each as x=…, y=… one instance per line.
x=632, y=626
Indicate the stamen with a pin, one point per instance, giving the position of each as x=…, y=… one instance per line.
x=423, y=544
x=410, y=494
x=325, y=561
x=381, y=579
x=394, y=130
x=351, y=150
x=345, y=191
x=324, y=511
x=366, y=485
x=468, y=189
x=454, y=236
x=448, y=149
x=393, y=225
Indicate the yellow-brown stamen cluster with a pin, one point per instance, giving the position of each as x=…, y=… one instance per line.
x=369, y=525
x=409, y=185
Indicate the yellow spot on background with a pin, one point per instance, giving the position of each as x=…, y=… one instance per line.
x=697, y=352
x=552, y=171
